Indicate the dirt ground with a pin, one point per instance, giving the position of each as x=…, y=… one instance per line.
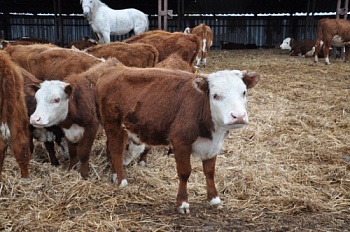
x=288, y=170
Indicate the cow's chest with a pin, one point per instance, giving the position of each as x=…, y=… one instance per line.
x=74, y=133
x=205, y=148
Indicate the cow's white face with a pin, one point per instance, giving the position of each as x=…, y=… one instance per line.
x=52, y=104
x=87, y=6
x=286, y=44
x=228, y=98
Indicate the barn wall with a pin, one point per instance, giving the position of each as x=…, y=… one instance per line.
x=262, y=31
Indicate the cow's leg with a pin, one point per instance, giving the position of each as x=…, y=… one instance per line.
x=50, y=148
x=21, y=151
x=117, y=138
x=143, y=156
x=326, y=46
x=317, y=50
x=209, y=172
x=73, y=158
x=183, y=167
x=3, y=148
x=347, y=53
x=84, y=149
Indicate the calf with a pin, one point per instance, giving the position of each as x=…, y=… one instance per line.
x=332, y=32
x=190, y=112
x=14, y=122
x=133, y=55
x=71, y=104
x=167, y=43
x=205, y=35
x=298, y=47
x=86, y=42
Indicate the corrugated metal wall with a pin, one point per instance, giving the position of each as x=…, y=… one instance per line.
x=262, y=31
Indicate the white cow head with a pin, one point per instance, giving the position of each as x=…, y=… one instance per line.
x=88, y=6
x=285, y=45
x=228, y=97
x=52, y=103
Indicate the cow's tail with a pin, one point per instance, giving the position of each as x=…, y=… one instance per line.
x=318, y=42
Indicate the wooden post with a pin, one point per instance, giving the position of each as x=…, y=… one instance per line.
x=162, y=15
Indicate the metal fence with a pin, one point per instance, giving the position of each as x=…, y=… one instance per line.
x=267, y=31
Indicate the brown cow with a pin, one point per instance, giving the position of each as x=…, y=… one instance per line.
x=23, y=41
x=14, y=121
x=133, y=55
x=86, y=42
x=190, y=112
x=51, y=63
x=174, y=61
x=332, y=32
x=205, y=35
x=71, y=104
x=167, y=43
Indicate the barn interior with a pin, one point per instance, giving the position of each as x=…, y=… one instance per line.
x=175, y=15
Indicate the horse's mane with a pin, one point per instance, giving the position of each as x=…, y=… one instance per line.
x=97, y=2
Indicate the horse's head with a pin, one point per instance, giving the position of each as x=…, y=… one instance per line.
x=87, y=5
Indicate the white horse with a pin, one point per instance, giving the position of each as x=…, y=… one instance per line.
x=106, y=21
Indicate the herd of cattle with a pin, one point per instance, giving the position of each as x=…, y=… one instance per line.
x=144, y=91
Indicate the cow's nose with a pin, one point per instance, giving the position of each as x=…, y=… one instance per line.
x=239, y=117
x=35, y=120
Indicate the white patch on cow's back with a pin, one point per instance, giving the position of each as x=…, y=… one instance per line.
x=74, y=133
x=204, y=148
x=5, y=132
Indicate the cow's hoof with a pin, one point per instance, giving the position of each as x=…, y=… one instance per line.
x=216, y=201
x=142, y=163
x=123, y=183
x=26, y=180
x=184, y=208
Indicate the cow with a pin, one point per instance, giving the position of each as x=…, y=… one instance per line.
x=23, y=41
x=51, y=63
x=71, y=104
x=13, y=117
x=86, y=42
x=190, y=112
x=225, y=45
x=332, y=32
x=133, y=55
x=304, y=48
x=48, y=135
x=167, y=43
x=205, y=35
x=174, y=61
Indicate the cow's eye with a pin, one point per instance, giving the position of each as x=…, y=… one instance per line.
x=56, y=100
x=244, y=93
x=216, y=97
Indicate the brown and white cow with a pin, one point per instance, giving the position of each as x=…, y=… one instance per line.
x=167, y=43
x=71, y=104
x=190, y=112
x=133, y=55
x=332, y=32
x=205, y=35
x=51, y=63
x=86, y=42
x=304, y=48
x=14, y=123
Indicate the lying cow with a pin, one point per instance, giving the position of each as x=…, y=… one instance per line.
x=205, y=35
x=13, y=121
x=86, y=42
x=298, y=47
x=167, y=43
x=133, y=55
x=71, y=104
x=332, y=32
x=160, y=107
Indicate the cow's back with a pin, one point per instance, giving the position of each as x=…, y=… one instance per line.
x=204, y=32
x=133, y=55
x=186, y=46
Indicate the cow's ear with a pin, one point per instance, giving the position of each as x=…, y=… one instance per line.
x=31, y=89
x=201, y=84
x=68, y=89
x=251, y=78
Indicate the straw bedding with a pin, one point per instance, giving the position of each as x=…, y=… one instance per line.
x=288, y=170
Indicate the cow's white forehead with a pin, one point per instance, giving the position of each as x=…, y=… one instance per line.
x=226, y=80
x=50, y=88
